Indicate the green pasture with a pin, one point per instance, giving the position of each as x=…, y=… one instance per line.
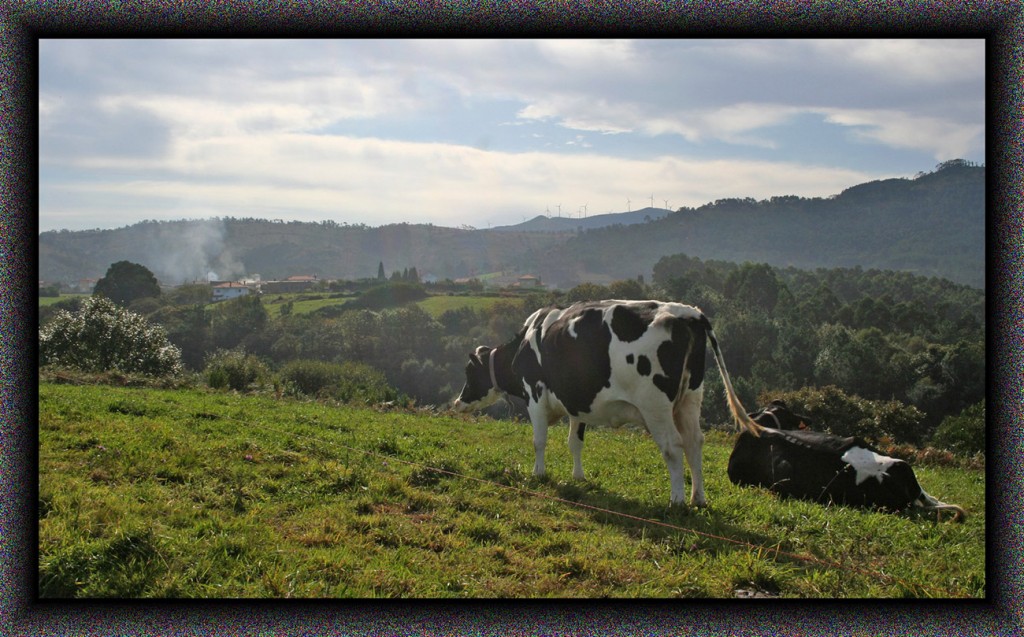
x=188, y=493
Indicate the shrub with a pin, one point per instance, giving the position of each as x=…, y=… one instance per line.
x=346, y=382
x=963, y=433
x=234, y=369
x=102, y=336
x=842, y=414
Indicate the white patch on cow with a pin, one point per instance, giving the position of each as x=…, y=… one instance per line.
x=492, y=397
x=572, y=327
x=868, y=464
x=533, y=334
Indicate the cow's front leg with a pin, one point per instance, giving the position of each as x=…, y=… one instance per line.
x=576, y=431
x=540, y=440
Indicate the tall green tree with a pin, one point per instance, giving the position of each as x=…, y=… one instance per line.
x=238, y=320
x=756, y=284
x=125, y=282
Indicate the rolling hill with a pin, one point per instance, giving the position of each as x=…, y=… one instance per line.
x=931, y=225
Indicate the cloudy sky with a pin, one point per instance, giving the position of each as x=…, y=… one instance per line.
x=485, y=132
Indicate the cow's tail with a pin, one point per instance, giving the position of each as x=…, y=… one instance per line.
x=929, y=503
x=739, y=414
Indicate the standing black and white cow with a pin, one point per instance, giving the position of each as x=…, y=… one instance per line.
x=609, y=363
x=793, y=461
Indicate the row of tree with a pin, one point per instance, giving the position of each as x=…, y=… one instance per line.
x=882, y=336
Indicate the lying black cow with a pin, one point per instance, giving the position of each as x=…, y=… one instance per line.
x=791, y=460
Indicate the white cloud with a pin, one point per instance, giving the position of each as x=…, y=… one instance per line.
x=588, y=55
x=380, y=181
x=942, y=138
x=242, y=126
x=911, y=60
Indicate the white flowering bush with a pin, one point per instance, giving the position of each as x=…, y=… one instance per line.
x=102, y=336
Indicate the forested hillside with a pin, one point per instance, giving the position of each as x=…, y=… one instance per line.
x=182, y=251
x=932, y=225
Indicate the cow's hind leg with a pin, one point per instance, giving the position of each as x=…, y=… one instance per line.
x=663, y=431
x=576, y=431
x=686, y=413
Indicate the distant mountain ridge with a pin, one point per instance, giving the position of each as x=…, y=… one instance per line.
x=932, y=225
x=547, y=223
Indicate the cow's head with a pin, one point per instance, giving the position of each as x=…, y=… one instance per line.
x=778, y=416
x=479, y=391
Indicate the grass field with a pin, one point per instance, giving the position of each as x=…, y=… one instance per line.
x=301, y=303
x=433, y=305
x=50, y=300
x=438, y=305
x=193, y=494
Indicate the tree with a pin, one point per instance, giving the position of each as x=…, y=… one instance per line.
x=102, y=336
x=126, y=281
x=964, y=433
x=628, y=289
x=236, y=320
x=587, y=292
x=188, y=328
x=755, y=284
x=380, y=272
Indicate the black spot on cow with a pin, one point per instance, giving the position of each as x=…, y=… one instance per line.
x=687, y=337
x=629, y=359
x=643, y=366
x=630, y=322
x=537, y=389
x=577, y=368
x=582, y=429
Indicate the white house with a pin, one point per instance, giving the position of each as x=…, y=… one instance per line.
x=229, y=290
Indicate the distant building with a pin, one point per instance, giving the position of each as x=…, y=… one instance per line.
x=86, y=285
x=528, y=281
x=229, y=290
x=291, y=284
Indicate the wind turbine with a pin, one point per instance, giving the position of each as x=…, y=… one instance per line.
x=666, y=204
x=559, y=211
x=652, y=200
x=584, y=211
x=628, y=206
